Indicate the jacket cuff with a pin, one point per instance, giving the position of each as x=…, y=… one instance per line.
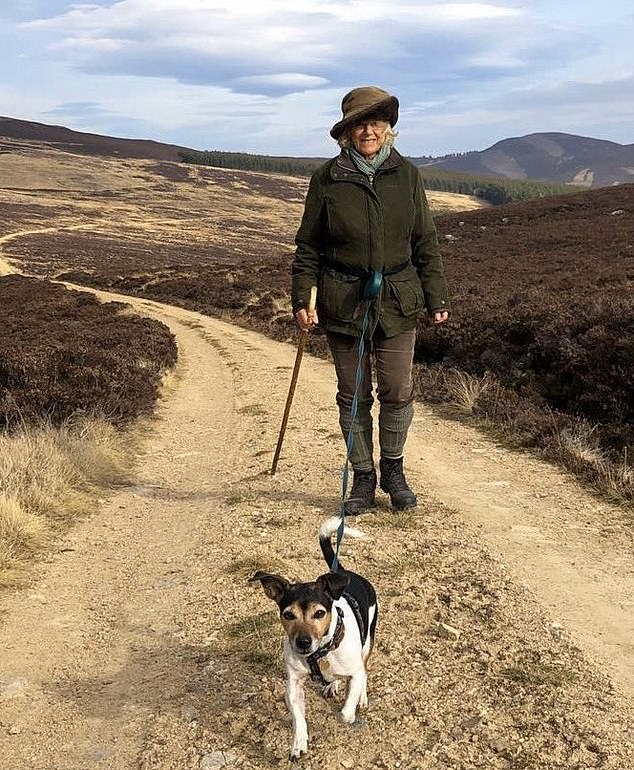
x=438, y=304
x=298, y=304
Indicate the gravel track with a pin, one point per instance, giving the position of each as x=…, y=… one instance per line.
x=505, y=636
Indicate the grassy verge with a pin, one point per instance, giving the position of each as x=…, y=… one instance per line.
x=565, y=439
x=50, y=476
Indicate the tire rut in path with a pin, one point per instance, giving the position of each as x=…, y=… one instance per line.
x=574, y=551
x=85, y=650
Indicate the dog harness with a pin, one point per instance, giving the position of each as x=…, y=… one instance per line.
x=354, y=606
x=313, y=659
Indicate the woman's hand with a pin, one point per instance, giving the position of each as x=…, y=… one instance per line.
x=439, y=316
x=306, y=321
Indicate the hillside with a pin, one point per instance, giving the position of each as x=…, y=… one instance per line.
x=552, y=157
x=555, y=157
x=505, y=628
x=540, y=290
x=36, y=166
x=83, y=143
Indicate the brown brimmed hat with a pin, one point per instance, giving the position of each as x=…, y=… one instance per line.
x=362, y=103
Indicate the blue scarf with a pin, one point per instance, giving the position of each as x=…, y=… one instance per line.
x=369, y=166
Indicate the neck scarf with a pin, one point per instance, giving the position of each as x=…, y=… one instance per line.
x=368, y=166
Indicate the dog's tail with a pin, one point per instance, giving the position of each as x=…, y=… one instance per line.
x=327, y=530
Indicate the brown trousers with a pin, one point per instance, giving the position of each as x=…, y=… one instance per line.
x=392, y=358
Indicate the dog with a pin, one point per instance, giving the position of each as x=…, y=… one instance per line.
x=330, y=626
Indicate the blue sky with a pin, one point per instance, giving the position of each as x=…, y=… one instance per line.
x=266, y=76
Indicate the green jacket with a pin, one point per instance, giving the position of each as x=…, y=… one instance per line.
x=351, y=227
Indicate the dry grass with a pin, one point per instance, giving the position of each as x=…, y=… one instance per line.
x=580, y=444
x=571, y=442
x=21, y=535
x=99, y=451
x=465, y=389
x=52, y=170
x=50, y=476
x=249, y=565
x=446, y=202
x=617, y=481
x=537, y=675
x=578, y=449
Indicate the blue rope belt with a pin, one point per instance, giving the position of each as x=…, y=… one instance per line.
x=371, y=291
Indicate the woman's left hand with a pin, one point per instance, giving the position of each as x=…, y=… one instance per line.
x=439, y=316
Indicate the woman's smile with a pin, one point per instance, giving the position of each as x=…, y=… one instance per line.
x=368, y=137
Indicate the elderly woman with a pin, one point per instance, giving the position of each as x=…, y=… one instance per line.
x=368, y=242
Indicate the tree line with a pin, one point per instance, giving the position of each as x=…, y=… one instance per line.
x=495, y=190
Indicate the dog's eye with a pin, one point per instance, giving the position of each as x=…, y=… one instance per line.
x=288, y=615
x=319, y=614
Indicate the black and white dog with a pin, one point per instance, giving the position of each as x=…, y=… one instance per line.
x=330, y=626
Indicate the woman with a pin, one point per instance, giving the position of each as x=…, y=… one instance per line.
x=368, y=241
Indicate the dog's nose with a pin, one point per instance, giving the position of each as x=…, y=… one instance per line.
x=303, y=642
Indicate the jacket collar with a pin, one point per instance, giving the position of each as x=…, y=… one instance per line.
x=343, y=167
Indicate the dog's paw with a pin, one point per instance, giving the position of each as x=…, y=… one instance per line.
x=299, y=746
x=330, y=690
x=363, y=700
x=348, y=715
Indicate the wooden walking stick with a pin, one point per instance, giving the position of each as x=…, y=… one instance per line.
x=303, y=337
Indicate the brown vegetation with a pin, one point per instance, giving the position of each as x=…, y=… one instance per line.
x=543, y=294
x=541, y=290
x=63, y=352
x=71, y=369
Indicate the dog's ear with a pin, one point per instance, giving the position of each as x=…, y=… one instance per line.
x=275, y=586
x=332, y=583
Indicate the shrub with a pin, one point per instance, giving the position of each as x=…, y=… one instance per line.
x=63, y=352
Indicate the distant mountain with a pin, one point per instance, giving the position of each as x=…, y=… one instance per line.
x=554, y=157
x=86, y=144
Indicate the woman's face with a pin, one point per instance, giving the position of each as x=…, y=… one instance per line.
x=368, y=137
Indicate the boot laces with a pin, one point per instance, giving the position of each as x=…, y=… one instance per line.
x=363, y=483
x=392, y=476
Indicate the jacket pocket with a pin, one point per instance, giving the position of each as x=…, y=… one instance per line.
x=408, y=295
x=339, y=294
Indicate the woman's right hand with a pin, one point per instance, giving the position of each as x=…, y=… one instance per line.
x=306, y=321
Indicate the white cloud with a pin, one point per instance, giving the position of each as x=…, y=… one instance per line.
x=268, y=76
x=292, y=81
x=245, y=45
x=97, y=45
x=427, y=14
x=205, y=14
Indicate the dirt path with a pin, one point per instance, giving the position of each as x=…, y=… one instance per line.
x=140, y=644
x=572, y=550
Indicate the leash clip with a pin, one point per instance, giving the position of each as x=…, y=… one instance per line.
x=373, y=285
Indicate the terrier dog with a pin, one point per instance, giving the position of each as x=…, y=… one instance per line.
x=330, y=626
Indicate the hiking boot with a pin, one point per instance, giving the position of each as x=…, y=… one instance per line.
x=361, y=495
x=393, y=482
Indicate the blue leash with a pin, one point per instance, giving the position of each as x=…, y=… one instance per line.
x=370, y=292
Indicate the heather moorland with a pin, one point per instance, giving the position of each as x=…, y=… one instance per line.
x=505, y=628
x=542, y=314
